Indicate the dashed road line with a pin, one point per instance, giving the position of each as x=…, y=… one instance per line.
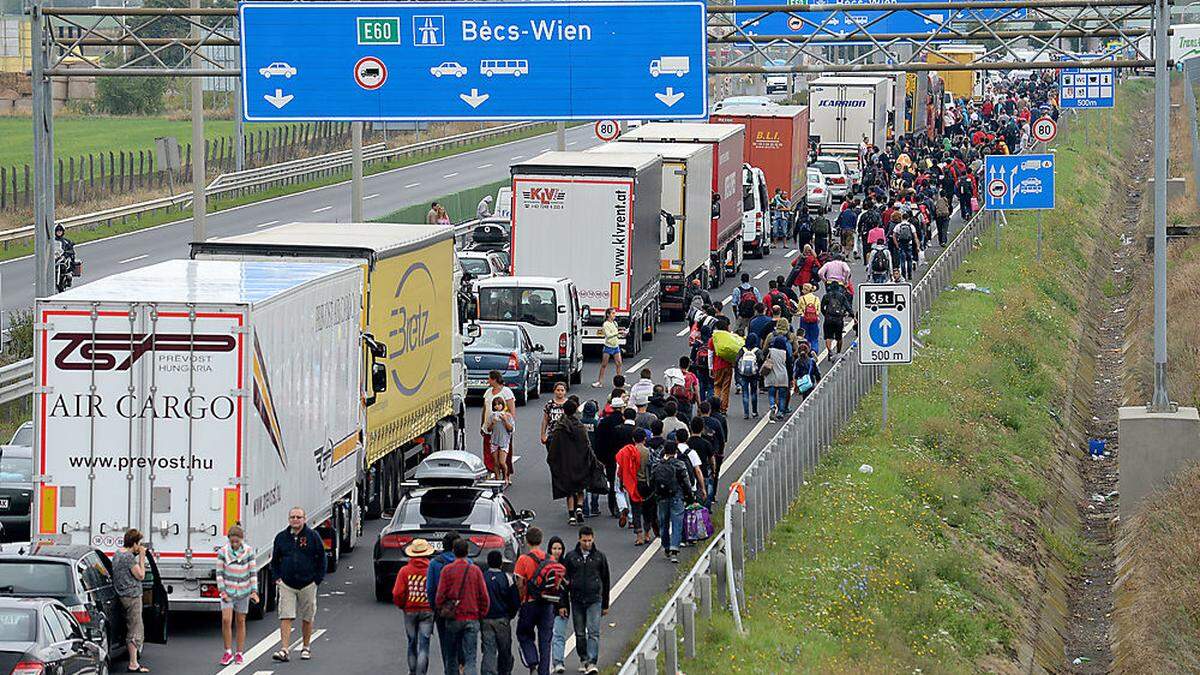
x=484, y=166
x=762, y=274
x=371, y=196
x=411, y=185
x=136, y=257
x=323, y=208
x=791, y=253
x=452, y=174
x=266, y=224
x=264, y=645
x=684, y=331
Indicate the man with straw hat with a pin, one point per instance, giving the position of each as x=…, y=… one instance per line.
x=410, y=596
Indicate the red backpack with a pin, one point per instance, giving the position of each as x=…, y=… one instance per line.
x=547, y=581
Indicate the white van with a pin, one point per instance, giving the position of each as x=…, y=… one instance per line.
x=549, y=310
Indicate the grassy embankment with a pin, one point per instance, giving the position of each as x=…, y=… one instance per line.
x=1158, y=597
x=928, y=563
x=460, y=206
x=160, y=217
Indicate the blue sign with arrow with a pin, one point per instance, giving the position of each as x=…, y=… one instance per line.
x=474, y=60
x=873, y=21
x=1018, y=182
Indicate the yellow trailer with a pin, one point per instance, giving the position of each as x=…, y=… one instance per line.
x=962, y=84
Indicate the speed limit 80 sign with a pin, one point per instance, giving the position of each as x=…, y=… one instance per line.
x=1044, y=129
x=608, y=130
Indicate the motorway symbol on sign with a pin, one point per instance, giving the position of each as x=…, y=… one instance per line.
x=1087, y=87
x=595, y=59
x=886, y=312
x=370, y=73
x=607, y=130
x=1045, y=129
x=1019, y=182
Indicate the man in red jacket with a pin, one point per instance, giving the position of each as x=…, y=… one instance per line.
x=462, y=583
x=408, y=594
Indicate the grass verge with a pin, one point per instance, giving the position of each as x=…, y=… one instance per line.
x=160, y=217
x=926, y=564
x=460, y=206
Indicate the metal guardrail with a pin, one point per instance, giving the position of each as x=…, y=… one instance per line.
x=284, y=173
x=16, y=380
x=759, y=498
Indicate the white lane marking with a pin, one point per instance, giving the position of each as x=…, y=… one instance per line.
x=516, y=157
x=322, y=209
x=371, y=196
x=411, y=185
x=264, y=645
x=728, y=301
x=136, y=257
x=791, y=253
x=266, y=224
x=761, y=274
x=264, y=672
x=637, y=366
x=484, y=166
x=732, y=457
x=685, y=331
x=452, y=174
x=572, y=143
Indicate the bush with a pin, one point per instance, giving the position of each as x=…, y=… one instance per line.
x=20, y=334
x=130, y=95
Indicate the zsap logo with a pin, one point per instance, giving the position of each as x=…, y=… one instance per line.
x=543, y=198
x=832, y=103
x=412, y=356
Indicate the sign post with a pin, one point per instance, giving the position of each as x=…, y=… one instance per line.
x=474, y=60
x=885, y=317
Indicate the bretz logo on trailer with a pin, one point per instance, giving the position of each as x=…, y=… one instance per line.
x=543, y=198
x=410, y=343
x=101, y=351
x=830, y=103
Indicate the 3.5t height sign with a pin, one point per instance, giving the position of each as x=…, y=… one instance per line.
x=473, y=60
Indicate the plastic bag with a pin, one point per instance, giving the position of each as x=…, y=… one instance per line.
x=727, y=345
x=697, y=523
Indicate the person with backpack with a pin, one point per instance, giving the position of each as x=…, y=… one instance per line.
x=880, y=265
x=462, y=601
x=846, y=223
x=905, y=239
x=802, y=226
x=682, y=385
x=941, y=212
x=868, y=220
x=836, y=305
x=810, y=315
x=776, y=371
x=805, y=373
x=760, y=324
x=966, y=192
x=629, y=463
x=672, y=488
x=539, y=582
x=804, y=268
x=722, y=366
x=496, y=627
x=747, y=297
x=588, y=588
x=821, y=231
x=747, y=373
x=776, y=298
x=589, y=417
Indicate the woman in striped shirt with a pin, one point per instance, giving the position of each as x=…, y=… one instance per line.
x=237, y=579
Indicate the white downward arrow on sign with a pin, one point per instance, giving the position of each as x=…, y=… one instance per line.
x=278, y=100
x=670, y=98
x=474, y=99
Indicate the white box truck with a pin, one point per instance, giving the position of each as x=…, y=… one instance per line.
x=845, y=110
x=187, y=396
x=594, y=218
x=686, y=196
x=409, y=273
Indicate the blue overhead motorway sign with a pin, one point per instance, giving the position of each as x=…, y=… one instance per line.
x=1018, y=182
x=843, y=22
x=474, y=60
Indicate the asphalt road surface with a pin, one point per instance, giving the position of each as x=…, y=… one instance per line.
x=383, y=193
x=360, y=635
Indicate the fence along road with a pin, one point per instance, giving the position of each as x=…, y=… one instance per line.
x=397, y=188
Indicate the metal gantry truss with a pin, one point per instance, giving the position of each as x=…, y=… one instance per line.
x=130, y=41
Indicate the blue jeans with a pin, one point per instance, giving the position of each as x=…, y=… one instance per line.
x=535, y=624
x=558, y=645
x=706, y=386
x=670, y=522
x=464, y=641
x=812, y=334
x=587, y=630
x=496, y=642
x=778, y=225
x=906, y=260
x=450, y=657
x=778, y=398
x=749, y=387
x=418, y=626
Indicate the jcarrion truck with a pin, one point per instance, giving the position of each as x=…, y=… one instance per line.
x=725, y=241
x=776, y=143
x=410, y=276
x=686, y=198
x=845, y=110
x=594, y=218
x=187, y=396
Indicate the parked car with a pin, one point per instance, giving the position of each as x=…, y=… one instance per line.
x=742, y=101
x=449, y=493
x=277, y=68
x=16, y=488
x=38, y=636
x=837, y=175
x=483, y=264
x=487, y=234
x=507, y=348
x=525, y=300
x=819, y=198
x=81, y=579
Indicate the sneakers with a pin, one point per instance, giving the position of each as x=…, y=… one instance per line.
x=227, y=658
x=579, y=516
x=591, y=669
x=560, y=668
x=571, y=518
x=674, y=557
x=596, y=385
x=238, y=659
x=623, y=518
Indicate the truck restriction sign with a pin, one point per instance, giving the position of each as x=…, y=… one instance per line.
x=997, y=188
x=370, y=73
x=1044, y=129
x=885, y=316
x=607, y=130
